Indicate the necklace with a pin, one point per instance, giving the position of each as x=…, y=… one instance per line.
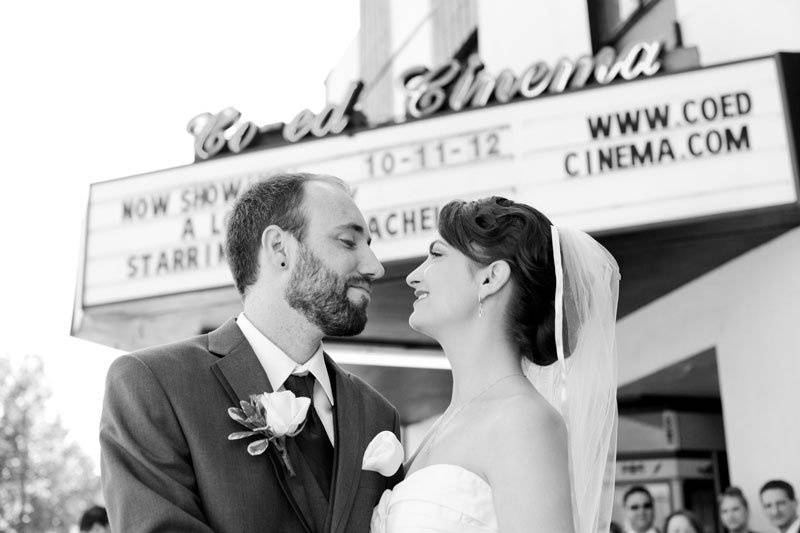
x=442, y=422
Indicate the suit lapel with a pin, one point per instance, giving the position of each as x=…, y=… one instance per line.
x=349, y=417
x=241, y=374
x=239, y=365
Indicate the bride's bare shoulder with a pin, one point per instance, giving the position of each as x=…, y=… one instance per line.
x=526, y=417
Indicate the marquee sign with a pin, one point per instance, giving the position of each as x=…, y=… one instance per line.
x=212, y=133
x=458, y=86
x=453, y=85
x=657, y=150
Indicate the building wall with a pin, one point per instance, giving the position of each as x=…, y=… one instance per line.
x=375, y=47
x=515, y=34
x=747, y=309
x=346, y=71
x=726, y=30
x=658, y=24
x=412, y=44
x=452, y=23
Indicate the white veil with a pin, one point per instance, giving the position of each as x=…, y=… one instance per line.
x=582, y=384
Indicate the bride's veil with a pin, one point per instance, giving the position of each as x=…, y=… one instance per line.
x=582, y=383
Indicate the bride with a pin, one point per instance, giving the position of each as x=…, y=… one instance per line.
x=525, y=313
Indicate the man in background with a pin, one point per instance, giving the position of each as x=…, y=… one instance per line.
x=780, y=505
x=639, y=512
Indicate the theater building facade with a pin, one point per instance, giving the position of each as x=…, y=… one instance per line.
x=643, y=123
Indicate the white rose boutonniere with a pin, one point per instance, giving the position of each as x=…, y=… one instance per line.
x=273, y=415
x=384, y=454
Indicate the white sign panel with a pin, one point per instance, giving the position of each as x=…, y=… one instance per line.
x=639, y=470
x=656, y=150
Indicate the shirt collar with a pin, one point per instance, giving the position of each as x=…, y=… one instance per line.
x=280, y=366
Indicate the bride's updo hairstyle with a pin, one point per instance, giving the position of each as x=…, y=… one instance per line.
x=496, y=228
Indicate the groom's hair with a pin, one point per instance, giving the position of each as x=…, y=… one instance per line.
x=276, y=200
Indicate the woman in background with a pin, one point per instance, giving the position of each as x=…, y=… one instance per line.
x=734, y=513
x=682, y=522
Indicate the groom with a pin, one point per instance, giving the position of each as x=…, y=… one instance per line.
x=299, y=252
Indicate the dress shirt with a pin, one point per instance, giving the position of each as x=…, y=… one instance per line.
x=279, y=366
x=795, y=527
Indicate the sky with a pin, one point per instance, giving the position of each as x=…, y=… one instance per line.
x=96, y=90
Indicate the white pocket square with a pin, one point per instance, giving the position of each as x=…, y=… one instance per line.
x=384, y=454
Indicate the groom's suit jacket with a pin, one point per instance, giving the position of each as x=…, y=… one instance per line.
x=167, y=464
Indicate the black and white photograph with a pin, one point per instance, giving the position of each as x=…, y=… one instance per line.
x=400, y=266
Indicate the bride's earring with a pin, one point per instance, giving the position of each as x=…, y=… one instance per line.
x=480, y=307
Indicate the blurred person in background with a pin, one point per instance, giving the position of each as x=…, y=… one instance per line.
x=682, y=522
x=734, y=512
x=780, y=505
x=95, y=520
x=639, y=512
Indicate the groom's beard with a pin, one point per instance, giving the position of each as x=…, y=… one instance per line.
x=321, y=296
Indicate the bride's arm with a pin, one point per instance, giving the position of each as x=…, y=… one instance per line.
x=528, y=469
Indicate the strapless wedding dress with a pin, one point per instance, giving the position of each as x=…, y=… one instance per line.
x=439, y=498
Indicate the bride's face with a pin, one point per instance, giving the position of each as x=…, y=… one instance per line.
x=446, y=290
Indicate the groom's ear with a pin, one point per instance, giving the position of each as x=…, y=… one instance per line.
x=493, y=278
x=274, y=247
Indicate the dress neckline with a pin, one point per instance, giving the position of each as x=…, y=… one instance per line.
x=450, y=466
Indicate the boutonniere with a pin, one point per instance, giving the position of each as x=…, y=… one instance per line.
x=384, y=454
x=273, y=415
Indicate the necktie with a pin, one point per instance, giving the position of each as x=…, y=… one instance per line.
x=313, y=440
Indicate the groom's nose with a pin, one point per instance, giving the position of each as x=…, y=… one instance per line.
x=369, y=266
